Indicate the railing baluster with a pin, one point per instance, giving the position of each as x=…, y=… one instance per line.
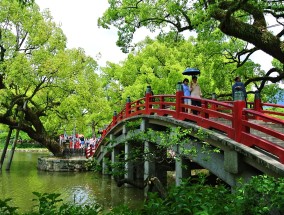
x=127, y=107
x=239, y=105
x=235, y=113
x=147, y=100
x=179, y=100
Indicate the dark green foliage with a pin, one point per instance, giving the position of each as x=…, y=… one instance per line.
x=24, y=145
x=29, y=145
x=48, y=204
x=5, y=208
x=261, y=195
x=123, y=210
x=26, y=2
x=23, y=140
x=191, y=198
x=78, y=209
x=92, y=165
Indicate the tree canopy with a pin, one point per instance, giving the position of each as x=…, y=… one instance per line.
x=245, y=20
x=159, y=63
x=44, y=87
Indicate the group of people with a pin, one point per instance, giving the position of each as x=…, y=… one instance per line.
x=78, y=141
x=193, y=89
x=88, y=142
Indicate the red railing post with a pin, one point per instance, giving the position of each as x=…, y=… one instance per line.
x=162, y=99
x=204, y=105
x=104, y=133
x=239, y=105
x=214, y=106
x=147, y=100
x=114, y=118
x=257, y=103
x=137, y=104
x=179, y=100
x=127, y=107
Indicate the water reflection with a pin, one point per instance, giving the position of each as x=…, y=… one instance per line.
x=81, y=188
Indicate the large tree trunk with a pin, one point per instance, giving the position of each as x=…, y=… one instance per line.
x=256, y=33
x=30, y=123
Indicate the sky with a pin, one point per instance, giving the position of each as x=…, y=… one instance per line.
x=78, y=20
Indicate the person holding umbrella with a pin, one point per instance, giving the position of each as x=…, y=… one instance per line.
x=194, y=89
x=195, y=92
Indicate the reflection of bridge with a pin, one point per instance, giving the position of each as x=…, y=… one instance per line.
x=250, y=140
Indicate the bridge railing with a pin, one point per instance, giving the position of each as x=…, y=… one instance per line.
x=268, y=109
x=90, y=150
x=232, y=118
x=266, y=133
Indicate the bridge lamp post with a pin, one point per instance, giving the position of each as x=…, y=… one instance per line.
x=128, y=99
x=239, y=96
x=148, y=89
x=179, y=87
x=179, y=99
x=239, y=105
x=114, y=119
x=148, y=94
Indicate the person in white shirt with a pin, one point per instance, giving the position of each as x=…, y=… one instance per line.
x=195, y=93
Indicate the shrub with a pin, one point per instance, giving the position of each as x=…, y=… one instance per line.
x=261, y=195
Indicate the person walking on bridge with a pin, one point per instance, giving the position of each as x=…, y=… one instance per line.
x=196, y=93
x=186, y=92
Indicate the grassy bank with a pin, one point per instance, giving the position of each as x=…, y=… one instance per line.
x=31, y=147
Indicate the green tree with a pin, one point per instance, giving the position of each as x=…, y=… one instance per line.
x=246, y=20
x=160, y=63
x=43, y=86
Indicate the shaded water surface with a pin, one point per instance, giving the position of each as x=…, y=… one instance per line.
x=81, y=188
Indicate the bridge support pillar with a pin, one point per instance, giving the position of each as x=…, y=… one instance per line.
x=105, y=166
x=115, y=159
x=150, y=166
x=182, y=167
x=144, y=125
x=183, y=170
x=231, y=161
x=149, y=163
x=161, y=172
x=128, y=164
x=139, y=165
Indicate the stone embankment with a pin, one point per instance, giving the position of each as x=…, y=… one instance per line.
x=55, y=164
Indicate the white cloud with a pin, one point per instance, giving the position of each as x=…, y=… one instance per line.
x=263, y=59
x=78, y=20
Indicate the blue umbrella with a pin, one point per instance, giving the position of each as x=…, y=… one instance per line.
x=191, y=71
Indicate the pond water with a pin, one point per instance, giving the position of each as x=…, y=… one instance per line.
x=80, y=187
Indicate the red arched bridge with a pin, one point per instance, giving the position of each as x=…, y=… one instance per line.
x=249, y=136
